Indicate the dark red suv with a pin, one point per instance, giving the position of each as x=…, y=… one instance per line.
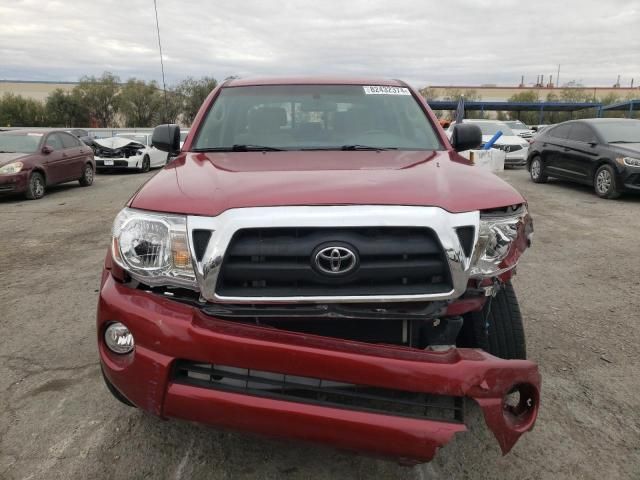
x=32, y=160
x=319, y=263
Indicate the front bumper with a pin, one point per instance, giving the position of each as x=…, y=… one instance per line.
x=166, y=331
x=130, y=162
x=517, y=158
x=14, y=183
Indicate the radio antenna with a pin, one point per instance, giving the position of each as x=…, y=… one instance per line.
x=164, y=85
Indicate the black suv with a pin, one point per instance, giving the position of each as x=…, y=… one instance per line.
x=603, y=152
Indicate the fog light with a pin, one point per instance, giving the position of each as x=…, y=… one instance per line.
x=118, y=338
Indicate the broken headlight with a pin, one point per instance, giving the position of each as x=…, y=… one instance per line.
x=503, y=236
x=153, y=248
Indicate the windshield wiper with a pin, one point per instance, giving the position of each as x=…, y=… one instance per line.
x=624, y=141
x=6, y=151
x=252, y=148
x=365, y=147
x=239, y=148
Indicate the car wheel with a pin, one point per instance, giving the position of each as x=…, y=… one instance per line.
x=146, y=164
x=87, y=176
x=537, y=171
x=498, y=328
x=115, y=392
x=604, y=183
x=36, y=186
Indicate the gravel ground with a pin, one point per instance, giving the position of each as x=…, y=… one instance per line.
x=578, y=291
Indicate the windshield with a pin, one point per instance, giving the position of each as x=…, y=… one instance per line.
x=300, y=117
x=491, y=128
x=518, y=125
x=624, y=131
x=19, y=142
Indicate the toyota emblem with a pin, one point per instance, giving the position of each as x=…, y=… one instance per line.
x=335, y=260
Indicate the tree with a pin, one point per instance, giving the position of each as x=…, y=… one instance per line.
x=65, y=109
x=193, y=93
x=17, y=111
x=470, y=95
x=100, y=97
x=140, y=103
x=528, y=117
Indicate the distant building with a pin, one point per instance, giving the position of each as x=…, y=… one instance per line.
x=35, y=90
x=502, y=94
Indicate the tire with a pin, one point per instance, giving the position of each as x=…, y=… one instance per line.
x=498, y=328
x=87, y=176
x=146, y=164
x=114, y=391
x=604, y=183
x=36, y=186
x=536, y=170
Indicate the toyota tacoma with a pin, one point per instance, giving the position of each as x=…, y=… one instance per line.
x=318, y=262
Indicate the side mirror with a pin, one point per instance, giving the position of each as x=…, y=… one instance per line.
x=47, y=149
x=166, y=138
x=466, y=136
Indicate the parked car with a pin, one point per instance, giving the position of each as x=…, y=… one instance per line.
x=128, y=150
x=520, y=128
x=602, y=152
x=78, y=132
x=515, y=147
x=31, y=161
x=340, y=275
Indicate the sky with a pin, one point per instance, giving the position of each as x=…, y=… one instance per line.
x=454, y=42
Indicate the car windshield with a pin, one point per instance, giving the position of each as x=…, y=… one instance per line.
x=308, y=117
x=491, y=128
x=624, y=131
x=517, y=125
x=19, y=142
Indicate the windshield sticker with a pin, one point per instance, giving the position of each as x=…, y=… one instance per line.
x=383, y=90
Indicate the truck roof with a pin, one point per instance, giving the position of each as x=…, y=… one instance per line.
x=245, y=82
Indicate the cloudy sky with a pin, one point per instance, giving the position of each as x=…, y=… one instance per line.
x=457, y=42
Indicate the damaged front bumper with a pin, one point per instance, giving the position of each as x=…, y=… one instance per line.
x=174, y=339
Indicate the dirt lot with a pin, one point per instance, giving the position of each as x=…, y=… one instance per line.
x=578, y=289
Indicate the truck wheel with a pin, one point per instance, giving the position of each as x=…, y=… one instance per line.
x=87, y=176
x=36, y=186
x=498, y=328
x=604, y=183
x=114, y=391
x=537, y=171
x=146, y=164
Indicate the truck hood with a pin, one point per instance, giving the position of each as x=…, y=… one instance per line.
x=210, y=183
x=6, y=158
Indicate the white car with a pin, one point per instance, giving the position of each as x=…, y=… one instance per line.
x=519, y=128
x=516, y=148
x=128, y=150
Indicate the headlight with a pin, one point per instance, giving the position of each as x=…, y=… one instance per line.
x=153, y=248
x=14, y=167
x=630, y=161
x=502, y=237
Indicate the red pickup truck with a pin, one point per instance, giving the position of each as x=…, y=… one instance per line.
x=318, y=262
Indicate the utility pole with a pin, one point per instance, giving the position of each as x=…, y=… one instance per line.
x=558, y=77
